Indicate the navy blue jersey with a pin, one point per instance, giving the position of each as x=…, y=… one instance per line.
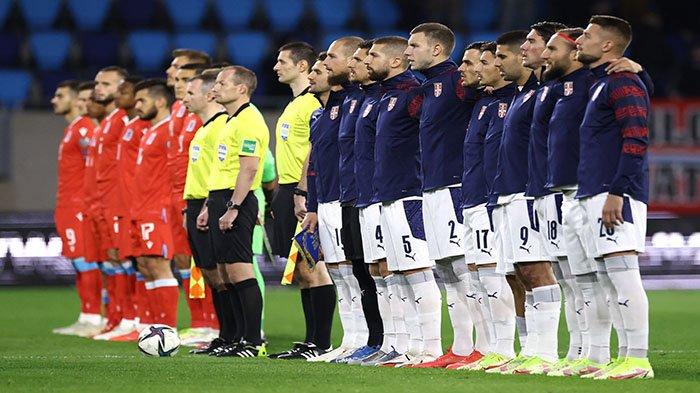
x=444, y=117
x=365, y=134
x=495, y=113
x=324, y=143
x=346, y=141
x=511, y=173
x=547, y=96
x=473, y=181
x=396, y=152
x=614, y=137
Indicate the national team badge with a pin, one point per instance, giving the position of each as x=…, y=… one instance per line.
x=528, y=95
x=334, y=112
x=568, y=88
x=128, y=134
x=353, y=104
x=545, y=90
x=392, y=103
x=482, y=111
x=368, y=109
x=597, y=91
x=190, y=125
x=437, y=89
x=502, y=109
x=181, y=111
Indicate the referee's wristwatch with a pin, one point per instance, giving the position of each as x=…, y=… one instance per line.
x=300, y=192
x=232, y=206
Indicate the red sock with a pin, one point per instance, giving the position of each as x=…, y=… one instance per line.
x=208, y=311
x=167, y=292
x=112, y=313
x=128, y=305
x=91, y=284
x=121, y=286
x=152, y=311
x=194, y=305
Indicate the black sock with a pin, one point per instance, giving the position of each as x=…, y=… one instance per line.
x=237, y=311
x=252, y=304
x=323, y=299
x=369, y=302
x=220, y=300
x=307, y=306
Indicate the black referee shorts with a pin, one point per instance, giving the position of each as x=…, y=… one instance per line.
x=285, y=221
x=350, y=233
x=236, y=244
x=199, y=240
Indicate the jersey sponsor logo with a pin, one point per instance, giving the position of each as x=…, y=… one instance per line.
x=353, y=104
x=597, y=91
x=545, y=90
x=284, y=131
x=437, y=89
x=221, y=152
x=151, y=138
x=195, y=153
x=392, y=103
x=128, y=134
x=334, y=112
x=190, y=125
x=528, y=95
x=502, y=109
x=181, y=111
x=368, y=109
x=568, y=88
x=248, y=146
x=482, y=111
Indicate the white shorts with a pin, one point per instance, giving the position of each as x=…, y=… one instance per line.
x=577, y=235
x=479, y=243
x=372, y=236
x=549, y=214
x=630, y=236
x=330, y=222
x=404, y=235
x=442, y=217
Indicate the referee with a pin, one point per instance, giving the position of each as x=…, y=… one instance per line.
x=232, y=208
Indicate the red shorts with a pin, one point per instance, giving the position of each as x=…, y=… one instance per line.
x=70, y=223
x=94, y=252
x=152, y=236
x=181, y=245
x=125, y=238
x=109, y=229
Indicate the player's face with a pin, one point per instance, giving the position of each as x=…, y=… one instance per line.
x=106, y=84
x=95, y=109
x=531, y=50
x=377, y=63
x=82, y=101
x=195, y=99
x=285, y=68
x=318, y=78
x=489, y=74
x=467, y=69
x=175, y=65
x=227, y=91
x=358, y=69
x=125, y=97
x=62, y=101
x=145, y=105
x=419, y=52
x=557, y=58
x=180, y=86
x=336, y=64
x=590, y=44
x=509, y=63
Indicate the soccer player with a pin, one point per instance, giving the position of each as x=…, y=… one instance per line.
x=398, y=186
x=614, y=182
x=445, y=112
x=232, y=209
x=150, y=209
x=294, y=62
x=69, y=214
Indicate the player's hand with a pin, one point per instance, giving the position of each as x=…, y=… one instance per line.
x=184, y=220
x=226, y=221
x=612, y=211
x=623, y=64
x=299, y=207
x=488, y=89
x=113, y=255
x=203, y=220
x=310, y=222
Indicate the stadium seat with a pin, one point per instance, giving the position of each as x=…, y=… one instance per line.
x=16, y=248
x=388, y=32
x=248, y=49
x=480, y=15
x=234, y=18
x=50, y=79
x=149, y=48
x=329, y=37
x=88, y=15
x=484, y=35
x=188, y=14
x=35, y=247
x=332, y=14
x=39, y=14
x=380, y=14
x=460, y=44
x=5, y=7
x=100, y=49
x=203, y=41
x=284, y=15
x=54, y=247
x=50, y=49
x=15, y=87
x=9, y=49
x=137, y=13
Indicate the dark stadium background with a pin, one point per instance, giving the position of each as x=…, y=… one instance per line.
x=45, y=41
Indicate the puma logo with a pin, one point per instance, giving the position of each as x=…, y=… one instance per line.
x=587, y=303
x=340, y=300
x=579, y=311
x=625, y=303
x=411, y=257
x=390, y=295
x=612, y=239
x=403, y=298
x=536, y=305
x=492, y=295
x=455, y=242
x=554, y=244
x=488, y=252
x=526, y=249
x=380, y=293
x=472, y=296
x=450, y=305
x=380, y=246
x=418, y=300
x=352, y=299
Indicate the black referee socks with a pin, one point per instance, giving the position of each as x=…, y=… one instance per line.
x=252, y=305
x=323, y=301
x=306, y=305
x=234, y=303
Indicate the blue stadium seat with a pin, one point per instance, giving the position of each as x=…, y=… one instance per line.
x=332, y=14
x=15, y=87
x=9, y=49
x=460, y=43
x=480, y=15
x=39, y=14
x=329, y=37
x=188, y=14
x=284, y=15
x=88, y=15
x=50, y=49
x=137, y=13
x=100, y=49
x=248, y=49
x=50, y=79
x=388, y=32
x=234, y=18
x=204, y=41
x=5, y=6
x=486, y=35
x=380, y=13
x=149, y=48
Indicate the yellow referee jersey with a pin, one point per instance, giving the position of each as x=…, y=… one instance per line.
x=292, y=136
x=245, y=134
x=201, y=155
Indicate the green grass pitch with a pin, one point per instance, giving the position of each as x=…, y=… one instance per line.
x=33, y=360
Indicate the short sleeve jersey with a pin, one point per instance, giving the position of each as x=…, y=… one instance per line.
x=201, y=154
x=292, y=136
x=153, y=191
x=72, y=152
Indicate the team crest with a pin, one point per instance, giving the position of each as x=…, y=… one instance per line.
x=334, y=112
x=482, y=111
x=568, y=88
x=392, y=103
x=353, y=104
x=597, y=91
x=128, y=134
x=190, y=125
x=528, y=95
x=437, y=89
x=544, y=93
x=368, y=109
x=181, y=111
x=502, y=109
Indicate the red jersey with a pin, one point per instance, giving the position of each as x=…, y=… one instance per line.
x=90, y=180
x=151, y=173
x=190, y=126
x=71, y=162
x=127, y=149
x=111, y=129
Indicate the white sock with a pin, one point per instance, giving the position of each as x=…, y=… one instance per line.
x=344, y=307
x=428, y=305
x=457, y=308
x=522, y=331
x=562, y=272
x=484, y=329
x=614, y=308
x=530, y=347
x=597, y=317
x=633, y=303
x=472, y=294
x=546, y=310
x=401, y=336
x=361, y=332
x=502, y=307
x=389, y=338
x=410, y=315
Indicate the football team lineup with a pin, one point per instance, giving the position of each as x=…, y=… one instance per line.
x=517, y=176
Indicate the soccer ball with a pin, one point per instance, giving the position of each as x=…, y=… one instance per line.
x=159, y=340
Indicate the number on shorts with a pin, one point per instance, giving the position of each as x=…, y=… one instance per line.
x=337, y=237
x=605, y=231
x=452, y=226
x=551, y=230
x=378, y=234
x=146, y=230
x=481, y=237
x=70, y=236
x=406, y=244
x=524, y=233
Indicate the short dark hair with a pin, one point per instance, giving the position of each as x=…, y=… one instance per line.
x=220, y=64
x=321, y=56
x=194, y=56
x=87, y=85
x=437, y=33
x=547, y=29
x=245, y=76
x=512, y=39
x=489, y=46
x=208, y=79
x=571, y=32
x=618, y=26
x=133, y=79
x=299, y=51
x=475, y=45
x=366, y=44
x=70, y=84
x=196, y=67
x=157, y=88
x=119, y=70
x=396, y=45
